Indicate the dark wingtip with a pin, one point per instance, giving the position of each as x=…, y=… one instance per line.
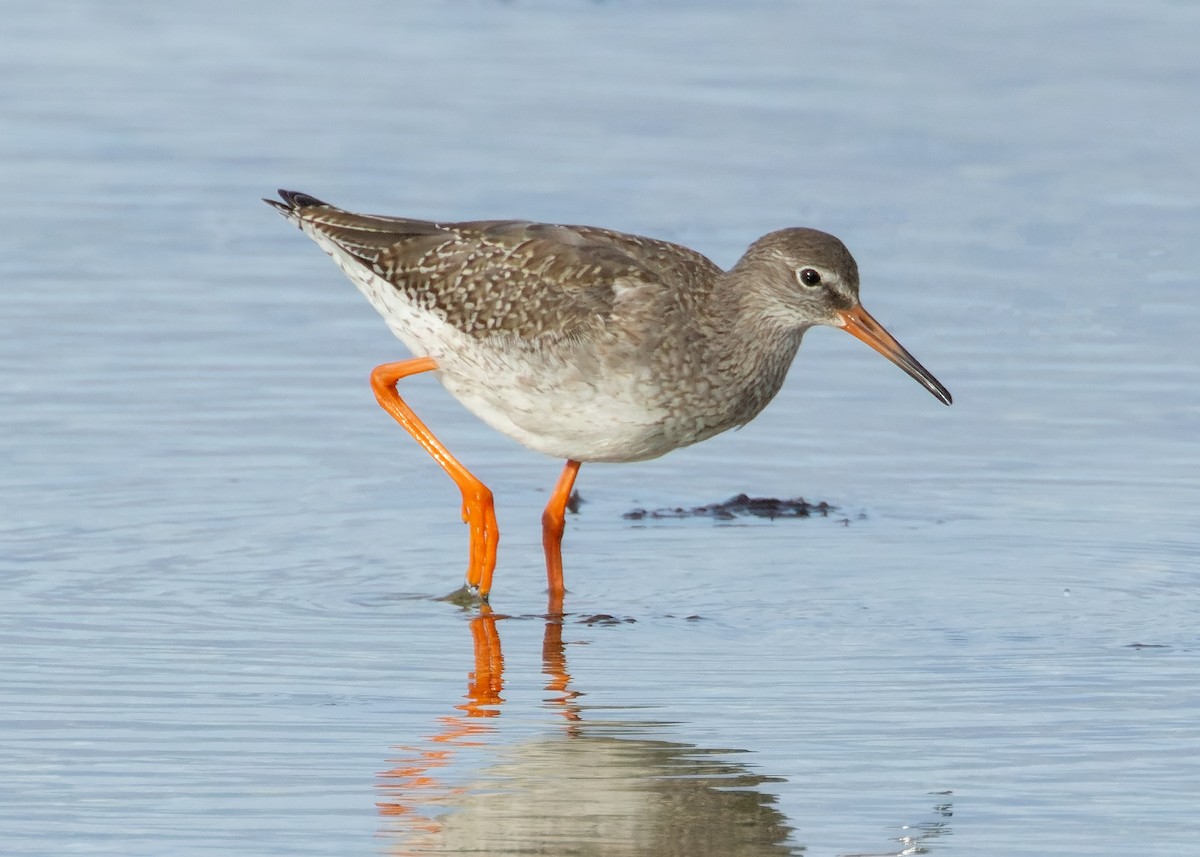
x=294, y=200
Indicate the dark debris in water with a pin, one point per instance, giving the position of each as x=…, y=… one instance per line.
x=606, y=619
x=1146, y=646
x=741, y=505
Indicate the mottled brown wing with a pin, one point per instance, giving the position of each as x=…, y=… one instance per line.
x=525, y=279
x=672, y=263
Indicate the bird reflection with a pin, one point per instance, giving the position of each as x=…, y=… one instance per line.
x=589, y=788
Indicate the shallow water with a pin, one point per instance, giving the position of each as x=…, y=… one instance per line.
x=220, y=561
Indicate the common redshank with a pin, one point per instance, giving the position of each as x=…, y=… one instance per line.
x=585, y=343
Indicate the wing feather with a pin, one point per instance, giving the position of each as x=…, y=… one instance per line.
x=531, y=280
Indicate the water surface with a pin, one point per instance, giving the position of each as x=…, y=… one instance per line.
x=220, y=561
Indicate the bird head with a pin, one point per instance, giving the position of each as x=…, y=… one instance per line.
x=805, y=277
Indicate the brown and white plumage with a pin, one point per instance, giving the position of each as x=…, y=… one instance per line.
x=594, y=345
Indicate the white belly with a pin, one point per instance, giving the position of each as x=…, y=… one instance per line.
x=551, y=406
x=558, y=400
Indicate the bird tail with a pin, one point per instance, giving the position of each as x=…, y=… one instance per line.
x=293, y=202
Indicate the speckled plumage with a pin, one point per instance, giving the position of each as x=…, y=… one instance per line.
x=586, y=343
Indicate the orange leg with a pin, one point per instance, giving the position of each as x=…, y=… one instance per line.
x=477, y=510
x=553, y=521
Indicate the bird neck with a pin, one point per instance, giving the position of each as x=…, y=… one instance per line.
x=753, y=347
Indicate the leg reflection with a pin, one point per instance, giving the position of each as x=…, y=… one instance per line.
x=587, y=786
x=412, y=792
x=554, y=666
x=485, y=683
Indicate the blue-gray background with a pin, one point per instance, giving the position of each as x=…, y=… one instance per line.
x=217, y=555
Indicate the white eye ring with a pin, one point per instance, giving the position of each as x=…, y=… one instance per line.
x=808, y=277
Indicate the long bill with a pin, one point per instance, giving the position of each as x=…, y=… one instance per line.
x=859, y=323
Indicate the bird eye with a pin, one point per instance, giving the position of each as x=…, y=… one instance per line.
x=809, y=277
